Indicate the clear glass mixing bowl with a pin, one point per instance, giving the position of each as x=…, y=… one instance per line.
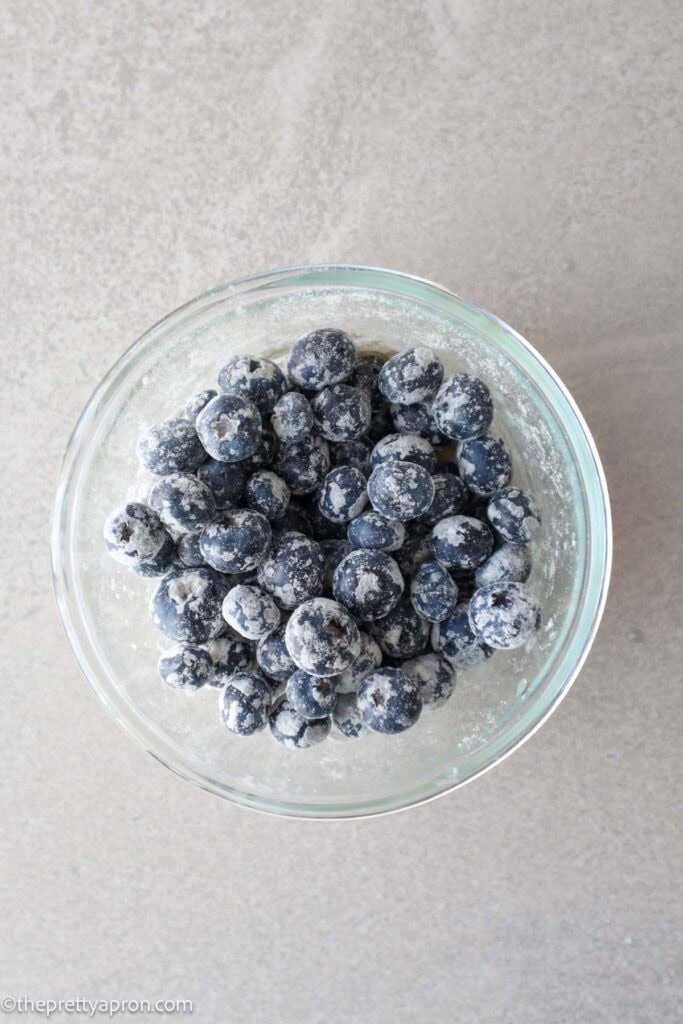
x=495, y=707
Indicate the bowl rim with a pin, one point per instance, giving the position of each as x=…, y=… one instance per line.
x=134, y=727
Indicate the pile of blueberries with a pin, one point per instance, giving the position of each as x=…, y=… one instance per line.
x=313, y=531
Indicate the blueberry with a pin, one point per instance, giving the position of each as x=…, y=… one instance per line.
x=484, y=464
x=322, y=638
x=416, y=550
x=293, y=569
x=368, y=583
x=260, y=380
x=134, y=534
x=163, y=561
x=461, y=542
x=265, y=454
x=304, y=464
x=183, y=502
x=230, y=428
x=372, y=530
x=510, y=563
x=295, y=520
x=368, y=660
x=433, y=592
x=504, y=615
x=171, y=447
x=227, y=480
x=245, y=703
x=251, y=611
x=352, y=453
x=187, y=605
x=267, y=493
x=185, y=666
x=463, y=407
x=513, y=515
x=197, y=402
x=404, y=448
x=342, y=413
x=228, y=655
x=455, y=639
x=400, y=490
x=343, y=494
x=435, y=677
x=411, y=376
x=450, y=498
x=237, y=541
x=402, y=633
x=365, y=376
x=272, y=656
x=189, y=552
x=324, y=357
x=292, y=418
x=389, y=700
x=418, y=419
x=347, y=717
x=294, y=731
x=380, y=425
x=334, y=551
x=311, y=696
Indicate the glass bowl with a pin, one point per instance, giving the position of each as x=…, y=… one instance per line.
x=495, y=707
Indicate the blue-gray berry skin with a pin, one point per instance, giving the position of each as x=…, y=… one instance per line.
x=186, y=666
x=368, y=660
x=343, y=495
x=380, y=425
x=272, y=656
x=311, y=696
x=463, y=407
x=404, y=448
x=164, y=560
x=411, y=376
x=292, y=418
x=510, y=563
x=389, y=700
x=352, y=453
x=245, y=703
x=184, y=502
x=322, y=638
x=402, y=633
x=134, y=533
x=372, y=530
x=368, y=583
x=292, y=571
x=304, y=464
x=485, y=464
x=435, y=677
x=455, y=639
x=418, y=419
x=237, y=541
x=505, y=615
x=365, y=376
x=187, y=605
x=227, y=480
x=228, y=655
x=268, y=494
x=197, y=402
x=295, y=520
x=171, y=447
x=251, y=611
x=229, y=428
x=461, y=542
x=400, y=490
x=514, y=516
x=334, y=552
x=189, y=551
x=347, y=717
x=342, y=413
x=450, y=498
x=265, y=454
x=292, y=730
x=253, y=377
x=433, y=592
x=321, y=358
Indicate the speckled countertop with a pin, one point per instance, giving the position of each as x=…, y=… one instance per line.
x=525, y=154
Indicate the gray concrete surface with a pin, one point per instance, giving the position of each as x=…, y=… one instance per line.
x=526, y=154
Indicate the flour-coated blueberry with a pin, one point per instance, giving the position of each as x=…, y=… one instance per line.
x=266, y=492
x=334, y=551
x=184, y=502
x=463, y=407
x=485, y=464
x=187, y=605
x=266, y=452
x=322, y=637
x=304, y=464
x=312, y=696
x=433, y=592
x=347, y=717
x=292, y=730
x=505, y=615
x=341, y=413
x=292, y=418
x=134, y=533
x=189, y=551
x=171, y=447
x=369, y=583
x=418, y=419
x=450, y=498
x=323, y=528
x=323, y=357
x=404, y=448
x=185, y=666
x=461, y=542
x=244, y=703
x=293, y=569
x=368, y=660
x=514, y=516
x=372, y=530
x=272, y=656
x=400, y=490
x=352, y=453
x=402, y=633
x=164, y=560
x=253, y=377
x=343, y=494
x=389, y=700
x=365, y=375
x=457, y=641
x=197, y=402
x=510, y=563
x=435, y=677
x=415, y=550
x=237, y=541
x=229, y=428
x=411, y=376
x=227, y=480
x=228, y=654
x=251, y=611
